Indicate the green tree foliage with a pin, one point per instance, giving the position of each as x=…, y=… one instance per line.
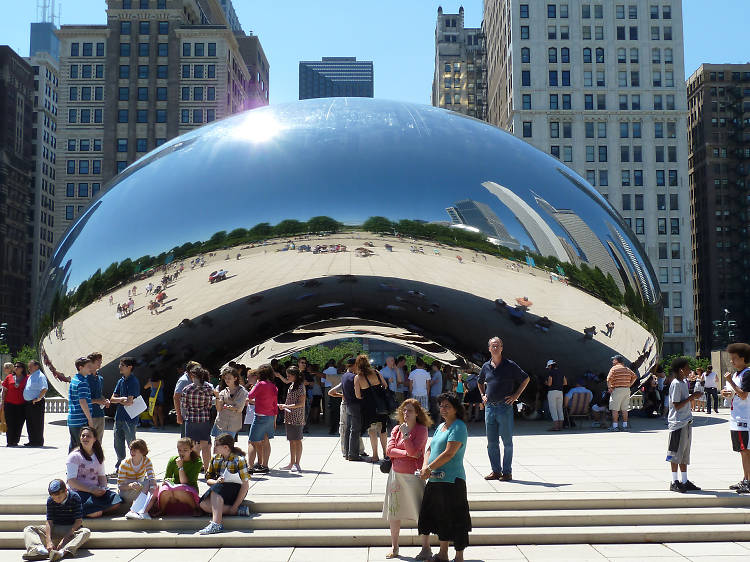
x=323, y=224
x=378, y=224
x=321, y=354
x=695, y=362
x=26, y=353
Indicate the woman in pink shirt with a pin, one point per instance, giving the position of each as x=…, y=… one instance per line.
x=404, y=491
x=265, y=395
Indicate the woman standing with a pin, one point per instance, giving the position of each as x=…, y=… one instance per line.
x=225, y=497
x=85, y=475
x=229, y=404
x=265, y=395
x=196, y=411
x=404, y=490
x=369, y=387
x=14, y=404
x=445, y=507
x=156, y=385
x=294, y=417
x=555, y=382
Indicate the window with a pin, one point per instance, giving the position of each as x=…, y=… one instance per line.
x=567, y=154
x=634, y=55
x=586, y=55
x=675, y=250
x=658, y=103
x=142, y=94
x=676, y=299
x=636, y=101
x=527, y=129
x=672, y=154
x=622, y=82
x=564, y=11
x=122, y=115
x=591, y=176
x=565, y=55
x=603, y=178
x=124, y=28
x=636, y=126
x=668, y=33
x=567, y=130
x=123, y=94
x=86, y=93
x=661, y=202
x=124, y=71
x=163, y=28
x=524, y=8
x=599, y=55
x=72, y=116
x=626, y=202
x=600, y=79
x=635, y=79
x=638, y=178
x=659, y=153
x=620, y=12
x=666, y=12
x=121, y=165
x=657, y=79
x=71, y=145
x=587, y=80
x=525, y=78
x=667, y=56
x=74, y=49
x=85, y=145
x=554, y=129
x=589, y=129
x=525, y=55
x=141, y=116
x=141, y=145
x=97, y=145
x=161, y=115
x=212, y=49
x=658, y=130
x=601, y=101
x=142, y=71
x=672, y=178
x=598, y=11
x=633, y=33
x=589, y=153
x=185, y=93
x=663, y=255
x=551, y=10
x=601, y=130
x=162, y=50
x=586, y=32
x=586, y=11
x=640, y=226
x=162, y=71
x=144, y=27
x=143, y=4
x=624, y=154
x=623, y=101
x=566, y=101
x=161, y=94
x=661, y=226
x=83, y=167
x=625, y=178
x=83, y=190
x=602, y=154
x=655, y=33
x=200, y=49
x=95, y=187
x=620, y=32
x=100, y=71
x=599, y=33
x=553, y=101
x=197, y=116
x=70, y=190
x=186, y=49
x=564, y=32
x=551, y=32
x=88, y=49
x=656, y=56
x=211, y=71
x=198, y=71
x=624, y=129
x=69, y=212
x=565, y=77
x=73, y=94
x=124, y=49
x=198, y=94
x=676, y=275
x=211, y=93
x=588, y=101
x=555, y=151
x=622, y=55
x=670, y=102
x=638, y=199
x=552, y=54
x=210, y=115
x=526, y=99
x=185, y=116
x=654, y=12
x=122, y=145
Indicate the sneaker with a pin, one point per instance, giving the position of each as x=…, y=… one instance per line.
x=738, y=485
x=744, y=489
x=37, y=554
x=297, y=468
x=624, y=428
x=133, y=515
x=145, y=515
x=690, y=487
x=256, y=466
x=57, y=555
x=211, y=529
x=243, y=511
x=262, y=469
x=676, y=487
x=613, y=428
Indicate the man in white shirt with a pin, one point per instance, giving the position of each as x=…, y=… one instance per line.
x=711, y=387
x=33, y=393
x=333, y=403
x=419, y=385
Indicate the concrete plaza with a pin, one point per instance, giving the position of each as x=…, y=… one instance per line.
x=570, y=464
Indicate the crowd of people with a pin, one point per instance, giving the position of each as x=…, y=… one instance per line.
x=395, y=406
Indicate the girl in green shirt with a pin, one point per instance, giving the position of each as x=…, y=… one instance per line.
x=178, y=493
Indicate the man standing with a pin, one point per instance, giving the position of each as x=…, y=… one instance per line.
x=436, y=389
x=402, y=387
x=333, y=403
x=711, y=387
x=680, y=425
x=79, y=402
x=126, y=390
x=419, y=385
x=619, y=381
x=353, y=427
x=501, y=382
x=33, y=393
x=98, y=401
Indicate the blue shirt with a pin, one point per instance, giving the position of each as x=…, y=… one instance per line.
x=126, y=386
x=67, y=512
x=95, y=385
x=454, y=468
x=501, y=381
x=436, y=383
x=35, y=383
x=79, y=389
x=390, y=377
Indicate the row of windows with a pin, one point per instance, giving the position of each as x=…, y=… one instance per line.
x=660, y=102
x=144, y=27
x=84, y=145
x=197, y=115
x=141, y=116
x=143, y=49
x=676, y=278
x=141, y=144
x=144, y=4
x=142, y=93
x=84, y=93
x=162, y=71
x=83, y=189
x=599, y=55
x=84, y=115
x=198, y=49
x=198, y=71
x=84, y=166
x=657, y=33
x=69, y=211
x=198, y=93
x=85, y=70
x=676, y=328
x=719, y=76
x=87, y=51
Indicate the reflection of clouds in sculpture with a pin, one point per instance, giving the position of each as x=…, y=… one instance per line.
x=375, y=177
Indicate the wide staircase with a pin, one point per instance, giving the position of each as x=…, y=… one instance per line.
x=332, y=521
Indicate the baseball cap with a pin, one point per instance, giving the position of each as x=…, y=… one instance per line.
x=551, y=362
x=56, y=486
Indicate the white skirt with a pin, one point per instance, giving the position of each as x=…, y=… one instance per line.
x=403, y=496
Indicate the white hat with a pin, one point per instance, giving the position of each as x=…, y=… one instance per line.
x=550, y=363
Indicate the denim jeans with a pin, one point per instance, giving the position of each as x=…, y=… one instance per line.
x=712, y=393
x=124, y=432
x=498, y=419
x=353, y=430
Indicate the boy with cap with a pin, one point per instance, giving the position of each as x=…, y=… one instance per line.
x=63, y=533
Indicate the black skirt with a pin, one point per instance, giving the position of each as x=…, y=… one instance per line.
x=227, y=490
x=445, y=512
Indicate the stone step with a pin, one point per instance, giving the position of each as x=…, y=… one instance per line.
x=373, y=520
x=380, y=537
x=494, y=502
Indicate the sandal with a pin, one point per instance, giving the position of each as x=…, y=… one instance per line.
x=392, y=554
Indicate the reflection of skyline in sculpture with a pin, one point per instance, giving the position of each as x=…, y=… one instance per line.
x=544, y=239
x=479, y=215
x=647, y=291
x=593, y=251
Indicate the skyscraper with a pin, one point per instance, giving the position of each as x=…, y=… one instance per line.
x=157, y=69
x=16, y=191
x=460, y=80
x=482, y=217
x=336, y=77
x=600, y=85
x=719, y=139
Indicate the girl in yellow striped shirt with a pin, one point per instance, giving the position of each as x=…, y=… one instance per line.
x=136, y=476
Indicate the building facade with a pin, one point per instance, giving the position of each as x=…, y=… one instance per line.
x=335, y=77
x=719, y=166
x=460, y=80
x=157, y=69
x=600, y=86
x=16, y=195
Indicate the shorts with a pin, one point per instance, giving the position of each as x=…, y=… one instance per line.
x=198, y=431
x=619, y=401
x=293, y=432
x=739, y=440
x=678, y=445
x=376, y=428
x=262, y=426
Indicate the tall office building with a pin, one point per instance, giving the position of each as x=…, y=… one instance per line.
x=157, y=69
x=231, y=15
x=460, y=80
x=16, y=192
x=600, y=85
x=480, y=216
x=257, y=66
x=335, y=77
x=44, y=40
x=719, y=141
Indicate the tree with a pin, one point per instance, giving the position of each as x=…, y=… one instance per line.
x=290, y=227
x=261, y=231
x=323, y=224
x=378, y=224
x=26, y=353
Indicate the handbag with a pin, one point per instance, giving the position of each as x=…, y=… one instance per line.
x=152, y=401
x=385, y=466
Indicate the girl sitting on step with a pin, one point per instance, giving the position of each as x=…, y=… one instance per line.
x=135, y=478
x=178, y=493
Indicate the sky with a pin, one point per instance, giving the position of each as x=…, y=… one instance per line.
x=397, y=35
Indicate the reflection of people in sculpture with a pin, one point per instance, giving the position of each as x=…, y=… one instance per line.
x=589, y=333
x=543, y=324
x=610, y=327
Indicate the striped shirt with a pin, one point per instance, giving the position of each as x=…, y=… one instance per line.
x=620, y=376
x=79, y=389
x=67, y=512
x=235, y=464
x=130, y=472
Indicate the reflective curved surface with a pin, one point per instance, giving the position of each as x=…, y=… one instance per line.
x=334, y=218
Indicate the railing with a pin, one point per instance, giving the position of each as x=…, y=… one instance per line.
x=56, y=405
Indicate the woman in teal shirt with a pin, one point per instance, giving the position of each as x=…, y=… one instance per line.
x=445, y=507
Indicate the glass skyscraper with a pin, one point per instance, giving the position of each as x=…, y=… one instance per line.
x=335, y=77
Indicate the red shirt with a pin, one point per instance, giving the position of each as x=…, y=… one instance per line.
x=266, y=398
x=407, y=454
x=14, y=395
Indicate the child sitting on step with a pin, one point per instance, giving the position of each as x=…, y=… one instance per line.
x=136, y=477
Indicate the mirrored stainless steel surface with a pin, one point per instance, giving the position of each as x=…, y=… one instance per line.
x=330, y=218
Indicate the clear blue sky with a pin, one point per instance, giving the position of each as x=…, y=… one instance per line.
x=397, y=36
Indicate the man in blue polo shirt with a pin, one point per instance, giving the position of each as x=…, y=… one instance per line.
x=79, y=402
x=126, y=390
x=501, y=382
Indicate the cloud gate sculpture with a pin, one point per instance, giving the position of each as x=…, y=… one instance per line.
x=297, y=224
